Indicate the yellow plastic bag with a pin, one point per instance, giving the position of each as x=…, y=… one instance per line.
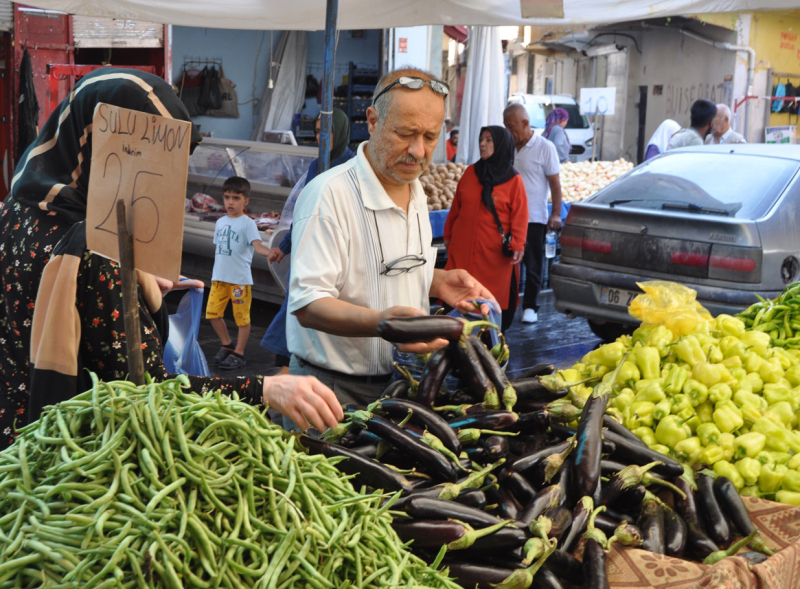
x=672, y=305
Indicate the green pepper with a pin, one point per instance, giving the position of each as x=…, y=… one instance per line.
x=638, y=414
x=750, y=414
x=597, y=371
x=742, y=397
x=628, y=373
x=711, y=454
x=642, y=333
x=675, y=379
x=738, y=374
x=708, y=374
x=788, y=497
x=778, y=437
x=661, y=448
x=670, y=431
x=791, y=481
x=793, y=375
x=653, y=393
x=771, y=477
x=726, y=443
x=689, y=417
x=719, y=392
x=624, y=398
x=713, y=353
x=660, y=338
x=724, y=468
x=705, y=411
x=794, y=462
x=732, y=347
x=753, y=362
x=755, y=381
x=688, y=349
x=777, y=392
x=750, y=491
x=782, y=356
x=662, y=409
x=757, y=341
x=609, y=355
x=681, y=402
x=749, y=445
x=728, y=416
x=689, y=450
x=708, y=433
x=749, y=468
x=729, y=326
x=696, y=391
x=734, y=363
x=783, y=411
x=644, y=383
x=649, y=361
x=780, y=457
x=771, y=371
x=646, y=434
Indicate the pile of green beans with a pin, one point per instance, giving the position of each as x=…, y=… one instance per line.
x=779, y=317
x=151, y=486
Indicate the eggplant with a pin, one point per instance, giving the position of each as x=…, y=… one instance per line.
x=610, y=467
x=473, y=498
x=508, y=538
x=651, y=524
x=433, y=460
x=429, y=508
x=566, y=566
x=533, y=422
x=631, y=453
x=732, y=505
x=493, y=420
x=717, y=526
x=369, y=451
x=424, y=417
x=586, y=458
x=350, y=437
x=530, y=461
x=697, y=541
x=508, y=395
x=674, y=534
x=606, y=524
x=564, y=432
x=594, y=566
x=525, y=444
x=410, y=330
x=517, y=485
x=615, y=426
x=546, y=579
x=538, y=370
x=562, y=521
x=580, y=516
x=435, y=533
x=477, y=575
x=472, y=372
x=368, y=471
x=507, y=506
x=548, y=497
x=433, y=375
x=397, y=389
x=478, y=454
x=496, y=447
x=626, y=485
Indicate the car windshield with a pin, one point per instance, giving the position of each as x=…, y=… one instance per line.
x=732, y=185
x=537, y=112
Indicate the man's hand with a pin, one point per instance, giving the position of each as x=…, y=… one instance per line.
x=275, y=255
x=415, y=348
x=517, y=257
x=304, y=400
x=554, y=223
x=167, y=285
x=458, y=289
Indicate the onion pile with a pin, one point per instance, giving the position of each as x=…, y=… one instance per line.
x=439, y=183
x=581, y=180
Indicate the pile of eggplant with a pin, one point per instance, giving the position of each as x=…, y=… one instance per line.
x=515, y=496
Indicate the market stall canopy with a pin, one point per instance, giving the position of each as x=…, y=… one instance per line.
x=370, y=14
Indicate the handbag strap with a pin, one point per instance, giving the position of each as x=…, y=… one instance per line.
x=493, y=210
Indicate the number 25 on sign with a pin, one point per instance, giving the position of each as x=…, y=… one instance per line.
x=143, y=160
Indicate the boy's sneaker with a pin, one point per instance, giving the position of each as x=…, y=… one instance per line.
x=223, y=353
x=232, y=362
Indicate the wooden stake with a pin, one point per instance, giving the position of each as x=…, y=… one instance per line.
x=130, y=299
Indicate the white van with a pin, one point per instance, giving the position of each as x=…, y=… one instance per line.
x=579, y=131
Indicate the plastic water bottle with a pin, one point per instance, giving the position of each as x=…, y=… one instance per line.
x=550, y=245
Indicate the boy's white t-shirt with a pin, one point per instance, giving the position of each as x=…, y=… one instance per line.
x=233, y=253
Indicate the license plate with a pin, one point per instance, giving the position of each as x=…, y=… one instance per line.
x=617, y=296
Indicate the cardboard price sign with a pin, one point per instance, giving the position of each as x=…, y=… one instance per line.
x=142, y=159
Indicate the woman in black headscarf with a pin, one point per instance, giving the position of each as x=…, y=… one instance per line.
x=51, y=336
x=490, y=207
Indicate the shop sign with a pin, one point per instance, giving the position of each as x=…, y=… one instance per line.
x=143, y=160
x=598, y=101
x=785, y=134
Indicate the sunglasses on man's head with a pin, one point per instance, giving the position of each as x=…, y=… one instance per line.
x=415, y=84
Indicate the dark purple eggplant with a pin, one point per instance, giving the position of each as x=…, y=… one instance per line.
x=562, y=520
x=564, y=432
x=368, y=471
x=533, y=422
x=478, y=454
x=398, y=389
x=502, y=538
x=409, y=330
x=563, y=480
x=538, y=370
x=435, y=533
x=525, y=444
x=496, y=447
x=518, y=485
x=546, y=579
x=424, y=417
x=494, y=420
x=631, y=453
x=651, y=524
x=580, y=515
x=499, y=379
x=606, y=523
x=473, y=498
x=565, y=566
x=732, y=505
x=586, y=458
x=617, y=489
x=433, y=375
x=594, y=566
x=477, y=575
x=369, y=451
x=610, y=467
x=615, y=426
x=434, y=461
x=716, y=524
x=473, y=374
x=697, y=541
x=674, y=534
x=530, y=461
x=350, y=437
x=629, y=499
x=507, y=505
x=550, y=466
x=548, y=497
x=429, y=508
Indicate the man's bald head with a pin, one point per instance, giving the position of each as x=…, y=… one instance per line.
x=517, y=121
x=384, y=103
x=722, y=122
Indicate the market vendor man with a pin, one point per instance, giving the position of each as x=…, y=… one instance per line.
x=362, y=244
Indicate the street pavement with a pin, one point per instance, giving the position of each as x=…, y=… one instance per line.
x=554, y=339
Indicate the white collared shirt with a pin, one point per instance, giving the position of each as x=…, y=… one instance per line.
x=535, y=162
x=728, y=137
x=336, y=253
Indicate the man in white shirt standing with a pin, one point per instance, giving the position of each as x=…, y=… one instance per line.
x=721, y=132
x=537, y=163
x=362, y=246
x=702, y=117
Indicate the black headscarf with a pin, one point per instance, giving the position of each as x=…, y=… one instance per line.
x=53, y=173
x=498, y=168
x=340, y=127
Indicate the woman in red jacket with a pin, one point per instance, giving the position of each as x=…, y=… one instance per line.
x=473, y=234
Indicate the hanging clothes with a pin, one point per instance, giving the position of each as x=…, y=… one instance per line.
x=28, y=116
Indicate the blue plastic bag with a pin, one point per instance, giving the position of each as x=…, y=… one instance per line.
x=182, y=353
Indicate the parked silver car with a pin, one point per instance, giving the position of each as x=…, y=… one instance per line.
x=721, y=219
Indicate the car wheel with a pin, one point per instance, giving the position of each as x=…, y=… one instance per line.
x=609, y=331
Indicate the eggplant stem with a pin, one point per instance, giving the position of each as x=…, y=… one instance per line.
x=715, y=557
x=649, y=479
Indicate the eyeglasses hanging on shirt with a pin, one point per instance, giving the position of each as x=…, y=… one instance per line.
x=406, y=263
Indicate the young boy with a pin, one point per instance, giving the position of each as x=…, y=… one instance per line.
x=235, y=237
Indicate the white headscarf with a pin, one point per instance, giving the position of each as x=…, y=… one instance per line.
x=663, y=134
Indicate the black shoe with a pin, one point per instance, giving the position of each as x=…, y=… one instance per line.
x=223, y=353
x=232, y=362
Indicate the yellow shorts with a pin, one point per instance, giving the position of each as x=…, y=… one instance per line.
x=238, y=294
